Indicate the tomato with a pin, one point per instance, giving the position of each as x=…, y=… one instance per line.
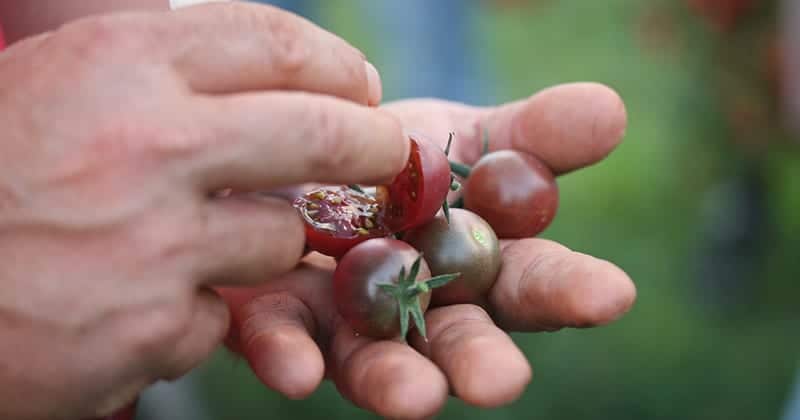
x=513, y=191
x=418, y=192
x=377, y=286
x=723, y=14
x=127, y=413
x=338, y=218
x=466, y=245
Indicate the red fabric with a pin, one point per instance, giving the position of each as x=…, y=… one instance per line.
x=2, y=41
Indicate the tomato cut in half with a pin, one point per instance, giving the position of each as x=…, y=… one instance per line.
x=418, y=192
x=338, y=218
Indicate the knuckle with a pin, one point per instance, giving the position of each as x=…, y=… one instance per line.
x=283, y=35
x=96, y=38
x=290, y=51
x=331, y=148
x=163, y=326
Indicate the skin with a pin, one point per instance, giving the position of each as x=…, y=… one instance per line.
x=152, y=313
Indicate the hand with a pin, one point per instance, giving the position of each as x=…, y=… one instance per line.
x=289, y=331
x=116, y=132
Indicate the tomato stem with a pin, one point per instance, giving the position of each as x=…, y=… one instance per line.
x=454, y=185
x=460, y=169
x=407, y=291
x=485, y=140
x=449, y=142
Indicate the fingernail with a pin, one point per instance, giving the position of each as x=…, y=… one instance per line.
x=374, y=87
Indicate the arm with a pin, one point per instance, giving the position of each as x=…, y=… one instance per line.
x=21, y=19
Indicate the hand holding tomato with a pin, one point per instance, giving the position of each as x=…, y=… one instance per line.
x=293, y=335
x=117, y=133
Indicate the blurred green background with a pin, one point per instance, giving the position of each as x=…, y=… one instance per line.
x=710, y=337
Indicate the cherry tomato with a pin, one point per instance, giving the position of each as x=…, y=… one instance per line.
x=338, y=218
x=127, y=413
x=357, y=284
x=466, y=245
x=418, y=192
x=515, y=192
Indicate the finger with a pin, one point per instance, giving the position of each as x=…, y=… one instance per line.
x=567, y=126
x=207, y=328
x=544, y=286
x=247, y=239
x=388, y=378
x=238, y=46
x=264, y=141
x=483, y=365
x=274, y=334
x=127, y=413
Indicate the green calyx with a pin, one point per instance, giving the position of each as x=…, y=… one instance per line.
x=454, y=185
x=464, y=171
x=407, y=290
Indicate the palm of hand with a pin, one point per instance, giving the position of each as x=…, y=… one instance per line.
x=291, y=335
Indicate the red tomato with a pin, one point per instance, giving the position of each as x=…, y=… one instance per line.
x=361, y=301
x=723, y=14
x=515, y=192
x=338, y=218
x=418, y=192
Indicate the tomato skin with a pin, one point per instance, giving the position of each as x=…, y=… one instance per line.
x=418, y=192
x=358, y=298
x=466, y=245
x=513, y=191
x=332, y=246
x=127, y=413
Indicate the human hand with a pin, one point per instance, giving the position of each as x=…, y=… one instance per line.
x=116, y=132
x=292, y=337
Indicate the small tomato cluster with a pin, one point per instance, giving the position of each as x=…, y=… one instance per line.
x=396, y=243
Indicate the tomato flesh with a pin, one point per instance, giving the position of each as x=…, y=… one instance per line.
x=418, y=192
x=359, y=299
x=338, y=218
x=515, y=192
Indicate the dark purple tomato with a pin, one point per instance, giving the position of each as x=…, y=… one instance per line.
x=513, y=191
x=466, y=245
x=361, y=301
